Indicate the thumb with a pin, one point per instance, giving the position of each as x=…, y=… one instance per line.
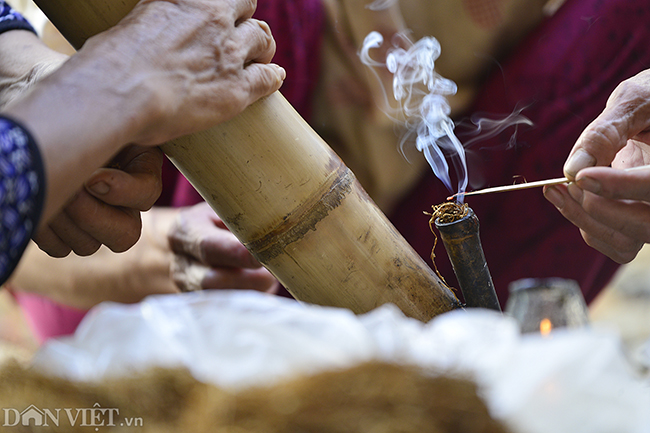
x=627, y=114
x=136, y=185
x=597, y=145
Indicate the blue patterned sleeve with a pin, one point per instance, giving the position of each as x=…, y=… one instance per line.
x=12, y=20
x=22, y=192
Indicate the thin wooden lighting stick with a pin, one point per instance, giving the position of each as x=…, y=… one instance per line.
x=514, y=187
x=526, y=185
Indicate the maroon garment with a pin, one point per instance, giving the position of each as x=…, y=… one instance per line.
x=562, y=74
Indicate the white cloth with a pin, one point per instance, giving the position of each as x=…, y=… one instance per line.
x=572, y=381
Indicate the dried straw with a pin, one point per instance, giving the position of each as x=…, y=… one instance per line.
x=372, y=397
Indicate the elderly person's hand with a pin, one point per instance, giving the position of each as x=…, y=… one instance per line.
x=208, y=256
x=107, y=210
x=167, y=69
x=609, y=205
x=193, y=63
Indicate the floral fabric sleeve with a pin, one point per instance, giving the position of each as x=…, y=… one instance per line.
x=12, y=20
x=22, y=193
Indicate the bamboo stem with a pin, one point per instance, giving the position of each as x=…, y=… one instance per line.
x=288, y=197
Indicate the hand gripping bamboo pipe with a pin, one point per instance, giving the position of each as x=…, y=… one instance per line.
x=288, y=197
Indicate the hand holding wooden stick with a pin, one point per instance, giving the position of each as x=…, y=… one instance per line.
x=526, y=185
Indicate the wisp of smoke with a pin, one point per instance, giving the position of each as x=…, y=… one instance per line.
x=421, y=94
x=484, y=128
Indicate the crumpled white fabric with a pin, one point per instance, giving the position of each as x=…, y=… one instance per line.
x=573, y=381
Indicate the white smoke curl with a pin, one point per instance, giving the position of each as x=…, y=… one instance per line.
x=421, y=94
x=423, y=109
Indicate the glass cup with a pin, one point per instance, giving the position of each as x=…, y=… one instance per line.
x=541, y=305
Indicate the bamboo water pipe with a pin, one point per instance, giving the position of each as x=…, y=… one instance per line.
x=463, y=244
x=288, y=197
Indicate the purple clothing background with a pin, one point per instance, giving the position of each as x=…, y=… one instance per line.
x=562, y=73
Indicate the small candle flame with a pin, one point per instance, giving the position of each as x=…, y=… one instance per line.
x=545, y=327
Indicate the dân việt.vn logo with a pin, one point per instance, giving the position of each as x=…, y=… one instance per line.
x=95, y=416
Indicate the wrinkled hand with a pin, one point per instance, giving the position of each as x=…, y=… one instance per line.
x=107, y=210
x=196, y=63
x=208, y=256
x=609, y=205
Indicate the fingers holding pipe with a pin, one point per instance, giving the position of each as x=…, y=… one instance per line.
x=116, y=227
x=244, y=9
x=134, y=182
x=62, y=235
x=263, y=78
x=256, y=35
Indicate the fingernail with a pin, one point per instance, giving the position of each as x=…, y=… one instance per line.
x=575, y=192
x=554, y=196
x=283, y=72
x=577, y=162
x=589, y=184
x=99, y=188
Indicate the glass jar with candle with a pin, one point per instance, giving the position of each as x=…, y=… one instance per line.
x=541, y=305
